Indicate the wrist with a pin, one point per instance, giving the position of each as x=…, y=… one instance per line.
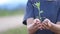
x=30, y=29
x=53, y=27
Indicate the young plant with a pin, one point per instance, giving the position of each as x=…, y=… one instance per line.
x=37, y=5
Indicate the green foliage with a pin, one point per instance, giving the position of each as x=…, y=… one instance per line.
x=13, y=12
x=37, y=5
x=21, y=30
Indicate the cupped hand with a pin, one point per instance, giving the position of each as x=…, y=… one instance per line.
x=47, y=24
x=32, y=28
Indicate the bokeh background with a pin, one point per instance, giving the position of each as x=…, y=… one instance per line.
x=11, y=16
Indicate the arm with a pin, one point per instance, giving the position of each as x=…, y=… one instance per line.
x=32, y=25
x=51, y=26
x=57, y=25
x=56, y=28
x=30, y=21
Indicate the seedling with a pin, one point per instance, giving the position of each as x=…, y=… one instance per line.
x=37, y=5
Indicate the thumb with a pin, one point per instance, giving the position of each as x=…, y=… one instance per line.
x=47, y=20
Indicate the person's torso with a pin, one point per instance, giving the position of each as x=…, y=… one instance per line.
x=50, y=10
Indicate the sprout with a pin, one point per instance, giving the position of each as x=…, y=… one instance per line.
x=37, y=5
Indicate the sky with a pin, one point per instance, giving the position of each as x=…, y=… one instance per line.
x=11, y=4
x=2, y=2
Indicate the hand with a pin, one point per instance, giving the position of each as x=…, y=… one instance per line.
x=32, y=28
x=47, y=24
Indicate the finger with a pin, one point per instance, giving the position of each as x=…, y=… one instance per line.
x=47, y=22
x=36, y=22
x=44, y=22
x=36, y=27
x=41, y=27
x=32, y=25
x=45, y=26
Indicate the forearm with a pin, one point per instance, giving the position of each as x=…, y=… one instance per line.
x=30, y=21
x=55, y=28
x=29, y=24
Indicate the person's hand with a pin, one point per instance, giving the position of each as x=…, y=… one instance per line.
x=32, y=28
x=47, y=24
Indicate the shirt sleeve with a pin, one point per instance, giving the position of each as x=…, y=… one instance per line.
x=29, y=12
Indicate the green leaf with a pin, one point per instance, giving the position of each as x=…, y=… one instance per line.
x=38, y=5
x=41, y=12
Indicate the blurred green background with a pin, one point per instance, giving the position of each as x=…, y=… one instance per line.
x=11, y=12
x=21, y=30
x=11, y=16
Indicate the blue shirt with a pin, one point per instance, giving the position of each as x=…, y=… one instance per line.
x=51, y=11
